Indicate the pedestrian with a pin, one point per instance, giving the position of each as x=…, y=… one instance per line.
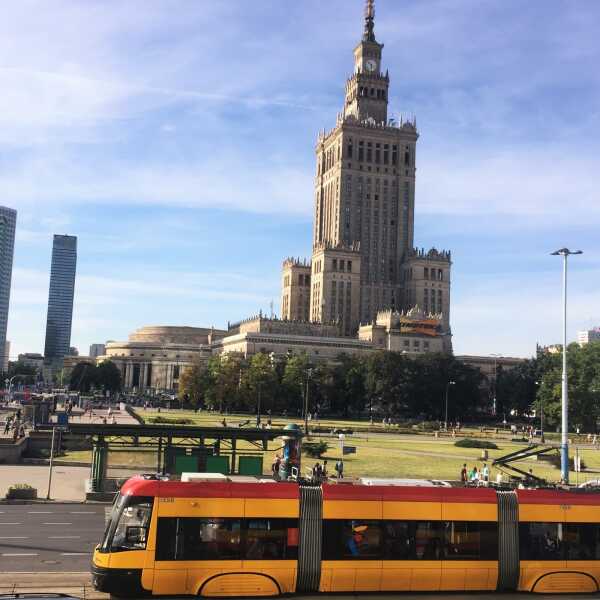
x=339, y=469
x=486, y=474
x=463, y=474
x=7, y=425
x=275, y=467
x=316, y=471
x=324, y=471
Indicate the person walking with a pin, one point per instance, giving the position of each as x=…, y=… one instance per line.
x=275, y=467
x=324, y=471
x=339, y=469
x=464, y=474
x=486, y=474
x=7, y=425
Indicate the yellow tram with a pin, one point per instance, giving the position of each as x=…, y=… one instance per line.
x=267, y=538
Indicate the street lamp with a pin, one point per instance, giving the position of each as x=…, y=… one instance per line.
x=447, y=388
x=537, y=384
x=308, y=376
x=495, y=357
x=564, y=442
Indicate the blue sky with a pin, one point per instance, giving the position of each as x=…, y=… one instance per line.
x=176, y=140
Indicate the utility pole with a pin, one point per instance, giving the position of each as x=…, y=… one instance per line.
x=308, y=376
x=51, y=461
x=564, y=445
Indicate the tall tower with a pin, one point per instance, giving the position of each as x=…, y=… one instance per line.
x=60, y=298
x=8, y=222
x=365, y=182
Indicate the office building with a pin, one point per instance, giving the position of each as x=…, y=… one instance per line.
x=590, y=335
x=97, y=350
x=8, y=222
x=60, y=298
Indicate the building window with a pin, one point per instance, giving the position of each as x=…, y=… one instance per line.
x=426, y=272
x=406, y=343
x=349, y=266
x=335, y=264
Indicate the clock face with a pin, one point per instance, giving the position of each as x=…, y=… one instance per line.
x=370, y=65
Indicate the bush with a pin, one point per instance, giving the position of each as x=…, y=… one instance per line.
x=21, y=491
x=315, y=449
x=470, y=443
x=170, y=421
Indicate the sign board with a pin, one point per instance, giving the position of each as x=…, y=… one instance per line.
x=349, y=450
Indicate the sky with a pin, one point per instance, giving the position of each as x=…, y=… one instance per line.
x=176, y=139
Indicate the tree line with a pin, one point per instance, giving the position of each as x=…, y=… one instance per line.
x=535, y=387
x=380, y=384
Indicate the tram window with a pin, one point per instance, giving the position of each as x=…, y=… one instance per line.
x=470, y=541
x=198, y=539
x=271, y=539
x=428, y=540
x=541, y=541
x=348, y=540
x=583, y=541
x=131, y=531
x=400, y=540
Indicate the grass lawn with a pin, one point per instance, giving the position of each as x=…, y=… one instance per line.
x=380, y=452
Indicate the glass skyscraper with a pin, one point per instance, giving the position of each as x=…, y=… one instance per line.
x=8, y=222
x=60, y=298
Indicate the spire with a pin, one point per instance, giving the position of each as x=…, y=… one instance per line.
x=369, y=34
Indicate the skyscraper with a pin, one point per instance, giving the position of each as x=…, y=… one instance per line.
x=8, y=221
x=363, y=257
x=60, y=298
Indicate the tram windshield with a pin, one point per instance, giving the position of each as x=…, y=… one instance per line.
x=128, y=524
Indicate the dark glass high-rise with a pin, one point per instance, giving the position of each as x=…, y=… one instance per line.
x=60, y=298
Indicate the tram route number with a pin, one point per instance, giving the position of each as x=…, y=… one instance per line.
x=166, y=499
x=565, y=506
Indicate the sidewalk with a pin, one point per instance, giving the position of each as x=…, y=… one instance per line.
x=75, y=584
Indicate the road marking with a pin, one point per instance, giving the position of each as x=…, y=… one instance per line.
x=20, y=554
x=57, y=523
x=11, y=523
x=63, y=537
x=82, y=512
x=75, y=553
x=39, y=512
x=13, y=537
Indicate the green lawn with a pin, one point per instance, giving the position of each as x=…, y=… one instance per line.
x=381, y=452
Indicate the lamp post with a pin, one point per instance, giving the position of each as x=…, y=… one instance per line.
x=537, y=384
x=564, y=443
x=494, y=399
x=308, y=376
x=447, y=389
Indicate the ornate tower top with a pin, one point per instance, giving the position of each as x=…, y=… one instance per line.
x=369, y=34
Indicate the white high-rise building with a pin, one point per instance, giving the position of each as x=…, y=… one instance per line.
x=590, y=335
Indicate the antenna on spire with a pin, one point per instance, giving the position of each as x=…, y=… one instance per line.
x=369, y=34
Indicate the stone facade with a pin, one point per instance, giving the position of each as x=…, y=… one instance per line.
x=154, y=357
x=335, y=295
x=365, y=200
x=295, y=290
x=412, y=332
x=426, y=279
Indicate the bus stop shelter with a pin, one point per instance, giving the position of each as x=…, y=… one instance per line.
x=179, y=448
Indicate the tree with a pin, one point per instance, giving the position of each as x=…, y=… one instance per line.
x=83, y=377
x=294, y=381
x=194, y=384
x=259, y=382
x=107, y=376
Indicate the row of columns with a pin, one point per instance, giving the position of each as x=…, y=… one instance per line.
x=162, y=375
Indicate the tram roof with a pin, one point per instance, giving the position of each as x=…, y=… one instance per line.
x=266, y=488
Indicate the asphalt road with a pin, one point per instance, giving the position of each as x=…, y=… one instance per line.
x=49, y=537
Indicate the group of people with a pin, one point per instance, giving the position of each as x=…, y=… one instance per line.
x=475, y=476
x=13, y=423
x=319, y=472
